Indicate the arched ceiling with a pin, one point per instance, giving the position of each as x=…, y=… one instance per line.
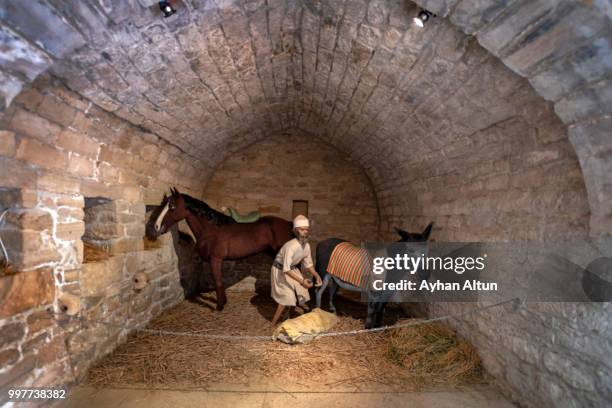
x=221, y=74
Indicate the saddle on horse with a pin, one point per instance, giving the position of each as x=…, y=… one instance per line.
x=241, y=218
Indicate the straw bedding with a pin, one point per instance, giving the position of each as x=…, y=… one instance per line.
x=393, y=358
x=433, y=354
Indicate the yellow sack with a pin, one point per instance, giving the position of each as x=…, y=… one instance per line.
x=306, y=327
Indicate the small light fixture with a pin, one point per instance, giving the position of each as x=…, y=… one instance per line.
x=166, y=8
x=423, y=17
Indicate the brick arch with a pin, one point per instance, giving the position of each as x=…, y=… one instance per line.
x=270, y=174
x=563, y=49
x=214, y=78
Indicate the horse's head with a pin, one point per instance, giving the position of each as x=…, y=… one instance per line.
x=406, y=236
x=170, y=211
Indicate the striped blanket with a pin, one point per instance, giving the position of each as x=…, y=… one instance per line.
x=350, y=263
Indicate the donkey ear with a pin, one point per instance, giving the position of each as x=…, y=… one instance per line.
x=172, y=191
x=402, y=233
x=427, y=231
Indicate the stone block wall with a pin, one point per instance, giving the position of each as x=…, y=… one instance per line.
x=563, y=49
x=542, y=354
x=268, y=175
x=518, y=179
x=71, y=172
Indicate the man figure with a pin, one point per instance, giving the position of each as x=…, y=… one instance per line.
x=289, y=287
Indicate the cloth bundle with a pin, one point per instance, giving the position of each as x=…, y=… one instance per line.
x=306, y=327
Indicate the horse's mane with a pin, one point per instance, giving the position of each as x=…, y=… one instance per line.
x=201, y=209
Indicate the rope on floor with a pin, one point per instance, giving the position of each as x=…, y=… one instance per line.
x=229, y=337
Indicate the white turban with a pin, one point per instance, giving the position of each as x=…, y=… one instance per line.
x=300, y=221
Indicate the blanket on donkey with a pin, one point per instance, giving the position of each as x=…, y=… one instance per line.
x=350, y=263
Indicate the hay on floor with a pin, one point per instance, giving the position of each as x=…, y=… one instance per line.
x=433, y=354
x=92, y=253
x=357, y=362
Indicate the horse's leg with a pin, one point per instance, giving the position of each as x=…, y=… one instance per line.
x=387, y=296
x=371, y=312
x=332, y=293
x=379, y=313
x=215, y=266
x=374, y=303
x=322, y=289
x=379, y=310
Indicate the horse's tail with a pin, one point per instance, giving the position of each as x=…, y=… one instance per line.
x=324, y=251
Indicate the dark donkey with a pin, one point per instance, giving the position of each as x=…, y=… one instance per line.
x=218, y=237
x=376, y=308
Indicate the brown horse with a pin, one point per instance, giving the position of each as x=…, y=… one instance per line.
x=218, y=237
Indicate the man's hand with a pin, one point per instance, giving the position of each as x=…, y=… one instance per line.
x=313, y=272
x=307, y=283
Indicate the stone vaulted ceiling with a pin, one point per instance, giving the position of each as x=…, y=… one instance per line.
x=221, y=74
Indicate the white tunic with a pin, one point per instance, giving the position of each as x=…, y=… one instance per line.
x=285, y=288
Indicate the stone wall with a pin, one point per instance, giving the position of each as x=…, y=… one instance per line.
x=208, y=80
x=72, y=172
x=516, y=180
x=267, y=176
x=355, y=71
x=563, y=49
x=542, y=354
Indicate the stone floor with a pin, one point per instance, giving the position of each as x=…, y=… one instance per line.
x=273, y=395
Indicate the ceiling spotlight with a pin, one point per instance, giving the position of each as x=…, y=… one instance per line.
x=166, y=8
x=423, y=17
